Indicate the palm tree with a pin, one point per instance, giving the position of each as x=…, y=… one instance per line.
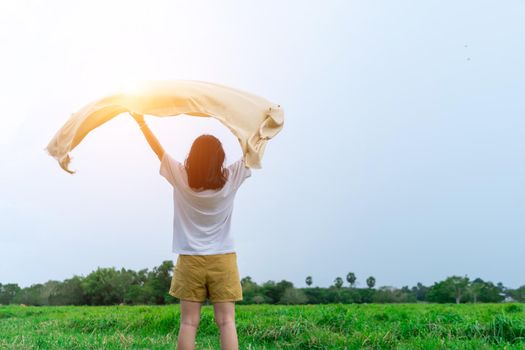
x=246, y=280
x=371, y=282
x=309, y=281
x=350, y=278
x=338, y=282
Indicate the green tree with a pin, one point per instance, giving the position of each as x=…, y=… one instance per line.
x=338, y=282
x=138, y=290
x=36, y=294
x=475, y=289
x=104, y=286
x=308, y=281
x=317, y=295
x=246, y=280
x=8, y=293
x=351, y=278
x=490, y=293
x=249, y=291
x=440, y=292
x=293, y=296
x=158, y=284
x=69, y=292
x=518, y=294
x=452, y=289
x=371, y=282
x=459, y=286
x=388, y=294
x=258, y=299
x=274, y=291
x=420, y=291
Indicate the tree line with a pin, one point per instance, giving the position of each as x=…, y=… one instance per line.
x=109, y=286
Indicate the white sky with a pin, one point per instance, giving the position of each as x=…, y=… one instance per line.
x=401, y=155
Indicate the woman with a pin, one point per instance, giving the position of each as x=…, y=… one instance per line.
x=203, y=193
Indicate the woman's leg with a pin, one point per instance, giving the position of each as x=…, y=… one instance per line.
x=225, y=319
x=189, y=322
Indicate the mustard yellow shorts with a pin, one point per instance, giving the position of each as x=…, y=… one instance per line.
x=200, y=277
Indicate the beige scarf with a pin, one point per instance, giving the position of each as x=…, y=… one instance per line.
x=252, y=119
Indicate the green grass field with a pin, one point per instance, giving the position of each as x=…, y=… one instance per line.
x=407, y=326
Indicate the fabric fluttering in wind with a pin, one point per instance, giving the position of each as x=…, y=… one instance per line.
x=252, y=119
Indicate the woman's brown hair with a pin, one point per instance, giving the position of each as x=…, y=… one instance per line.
x=204, y=164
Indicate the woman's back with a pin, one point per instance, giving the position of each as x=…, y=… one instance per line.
x=202, y=219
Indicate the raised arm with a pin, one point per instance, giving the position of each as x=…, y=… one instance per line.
x=152, y=140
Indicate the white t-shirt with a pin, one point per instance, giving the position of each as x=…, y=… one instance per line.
x=202, y=219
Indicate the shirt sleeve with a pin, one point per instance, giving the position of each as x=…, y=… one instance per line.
x=239, y=172
x=170, y=168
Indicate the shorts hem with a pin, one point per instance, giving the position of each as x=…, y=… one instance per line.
x=175, y=295
x=225, y=300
